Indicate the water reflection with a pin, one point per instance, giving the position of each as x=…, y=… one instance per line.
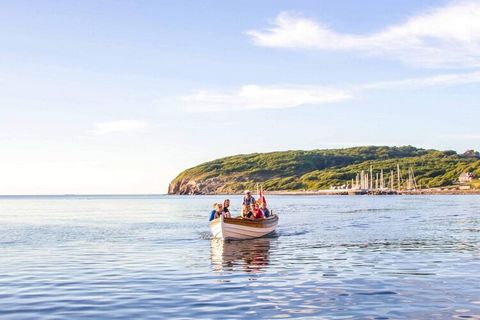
x=247, y=255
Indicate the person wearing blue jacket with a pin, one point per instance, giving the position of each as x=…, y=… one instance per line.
x=264, y=209
x=248, y=200
x=216, y=212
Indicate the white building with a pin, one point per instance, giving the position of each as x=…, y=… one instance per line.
x=466, y=177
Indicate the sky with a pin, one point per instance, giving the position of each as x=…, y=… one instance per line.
x=121, y=96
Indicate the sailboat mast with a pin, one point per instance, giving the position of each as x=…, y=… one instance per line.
x=382, y=184
x=391, y=179
x=409, y=181
x=398, y=176
x=414, y=180
x=371, y=177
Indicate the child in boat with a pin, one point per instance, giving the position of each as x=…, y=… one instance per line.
x=226, y=211
x=264, y=209
x=216, y=212
x=248, y=212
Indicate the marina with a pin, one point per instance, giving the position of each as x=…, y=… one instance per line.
x=377, y=183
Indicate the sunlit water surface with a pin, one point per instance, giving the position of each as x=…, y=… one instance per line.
x=151, y=257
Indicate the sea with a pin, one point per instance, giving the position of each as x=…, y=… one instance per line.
x=152, y=257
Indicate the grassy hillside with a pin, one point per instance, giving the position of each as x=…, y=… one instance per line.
x=319, y=169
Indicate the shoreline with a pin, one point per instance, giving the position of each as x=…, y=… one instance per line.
x=425, y=192
x=350, y=192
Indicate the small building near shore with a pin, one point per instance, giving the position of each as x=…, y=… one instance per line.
x=466, y=177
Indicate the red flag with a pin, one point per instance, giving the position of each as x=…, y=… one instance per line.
x=261, y=196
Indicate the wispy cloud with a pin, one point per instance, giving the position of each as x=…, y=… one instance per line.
x=442, y=37
x=263, y=97
x=119, y=126
x=449, y=79
x=251, y=97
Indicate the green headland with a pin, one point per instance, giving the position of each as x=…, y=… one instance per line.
x=314, y=170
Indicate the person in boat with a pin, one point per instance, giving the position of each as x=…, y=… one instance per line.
x=216, y=212
x=248, y=200
x=226, y=211
x=248, y=212
x=257, y=213
x=264, y=209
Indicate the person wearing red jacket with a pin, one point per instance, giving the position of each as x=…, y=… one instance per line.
x=257, y=213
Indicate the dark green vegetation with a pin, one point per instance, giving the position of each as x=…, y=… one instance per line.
x=319, y=169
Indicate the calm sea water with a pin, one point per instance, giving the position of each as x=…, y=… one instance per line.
x=151, y=257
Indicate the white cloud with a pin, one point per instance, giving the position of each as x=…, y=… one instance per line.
x=442, y=37
x=119, y=126
x=281, y=97
x=450, y=79
x=263, y=97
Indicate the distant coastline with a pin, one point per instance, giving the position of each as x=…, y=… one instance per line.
x=358, y=170
x=433, y=191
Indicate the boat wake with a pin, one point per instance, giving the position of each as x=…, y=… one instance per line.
x=283, y=233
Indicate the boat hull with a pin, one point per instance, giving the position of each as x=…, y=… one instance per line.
x=239, y=229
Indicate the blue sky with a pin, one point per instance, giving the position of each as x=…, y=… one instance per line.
x=120, y=96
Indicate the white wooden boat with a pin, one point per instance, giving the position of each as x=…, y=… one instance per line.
x=240, y=228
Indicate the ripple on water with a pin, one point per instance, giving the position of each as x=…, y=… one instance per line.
x=150, y=258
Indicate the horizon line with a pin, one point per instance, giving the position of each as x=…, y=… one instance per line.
x=82, y=194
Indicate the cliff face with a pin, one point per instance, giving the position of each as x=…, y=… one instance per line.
x=190, y=186
x=184, y=186
x=319, y=169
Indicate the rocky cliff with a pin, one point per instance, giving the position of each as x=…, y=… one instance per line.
x=192, y=186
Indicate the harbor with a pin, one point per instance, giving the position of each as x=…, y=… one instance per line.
x=395, y=182
x=378, y=183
